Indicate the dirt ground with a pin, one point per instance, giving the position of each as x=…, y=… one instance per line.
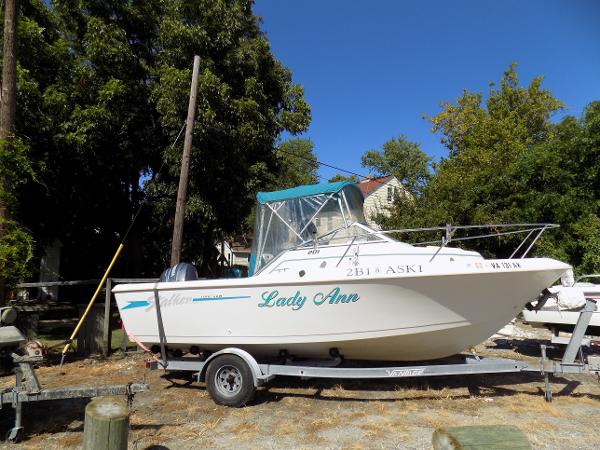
x=290, y=413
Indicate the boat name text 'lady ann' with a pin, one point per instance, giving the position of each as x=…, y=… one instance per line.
x=297, y=301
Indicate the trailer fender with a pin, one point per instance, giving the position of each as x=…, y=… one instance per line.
x=258, y=377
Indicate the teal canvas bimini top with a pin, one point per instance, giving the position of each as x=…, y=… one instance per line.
x=301, y=191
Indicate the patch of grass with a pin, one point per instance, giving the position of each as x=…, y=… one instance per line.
x=437, y=419
x=70, y=440
x=355, y=446
x=245, y=430
x=551, y=409
x=372, y=429
x=324, y=423
x=287, y=428
x=356, y=415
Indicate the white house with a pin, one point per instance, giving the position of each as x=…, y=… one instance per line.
x=379, y=193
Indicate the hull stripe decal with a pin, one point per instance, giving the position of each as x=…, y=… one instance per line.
x=136, y=304
x=210, y=299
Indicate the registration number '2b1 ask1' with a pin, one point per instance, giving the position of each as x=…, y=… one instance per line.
x=271, y=299
x=386, y=270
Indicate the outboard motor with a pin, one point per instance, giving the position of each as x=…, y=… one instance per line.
x=180, y=272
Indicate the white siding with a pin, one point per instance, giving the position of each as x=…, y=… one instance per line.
x=377, y=201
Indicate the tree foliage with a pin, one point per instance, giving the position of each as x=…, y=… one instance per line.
x=509, y=163
x=16, y=242
x=102, y=92
x=340, y=177
x=245, y=100
x=84, y=99
x=16, y=251
x=403, y=159
x=297, y=164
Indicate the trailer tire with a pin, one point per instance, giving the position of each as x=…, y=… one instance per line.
x=229, y=381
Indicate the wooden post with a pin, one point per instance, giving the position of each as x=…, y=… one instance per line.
x=89, y=336
x=106, y=424
x=32, y=327
x=497, y=437
x=124, y=343
x=106, y=334
x=185, y=167
x=8, y=103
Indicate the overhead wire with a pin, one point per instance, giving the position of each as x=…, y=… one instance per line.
x=313, y=162
x=321, y=163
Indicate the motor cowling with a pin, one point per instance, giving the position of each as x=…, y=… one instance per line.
x=180, y=272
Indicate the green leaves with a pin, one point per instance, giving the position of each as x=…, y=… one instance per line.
x=509, y=163
x=16, y=251
x=587, y=243
x=297, y=164
x=102, y=92
x=403, y=159
x=245, y=100
x=340, y=177
x=16, y=166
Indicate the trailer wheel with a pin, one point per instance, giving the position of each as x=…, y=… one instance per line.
x=229, y=381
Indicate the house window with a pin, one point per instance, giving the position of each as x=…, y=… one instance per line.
x=390, y=194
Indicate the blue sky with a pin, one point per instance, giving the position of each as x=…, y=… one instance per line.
x=372, y=69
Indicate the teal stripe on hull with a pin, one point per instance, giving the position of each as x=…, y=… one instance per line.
x=137, y=304
x=212, y=299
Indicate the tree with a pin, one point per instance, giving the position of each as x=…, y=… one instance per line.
x=85, y=89
x=481, y=140
x=102, y=92
x=509, y=163
x=340, y=177
x=297, y=164
x=39, y=56
x=558, y=181
x=403, y=159
x=245, y=100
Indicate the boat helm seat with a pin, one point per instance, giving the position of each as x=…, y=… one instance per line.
x=179, y=272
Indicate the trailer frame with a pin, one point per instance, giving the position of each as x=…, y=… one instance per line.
x=574, y=361
x=27, y=389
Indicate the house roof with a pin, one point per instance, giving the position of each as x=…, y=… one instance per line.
x=369, y=185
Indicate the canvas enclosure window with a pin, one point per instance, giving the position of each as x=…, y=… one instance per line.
x=292, y=217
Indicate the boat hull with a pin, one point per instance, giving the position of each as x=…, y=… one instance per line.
x=561, y=320
x=402, y=317
x=556, y=315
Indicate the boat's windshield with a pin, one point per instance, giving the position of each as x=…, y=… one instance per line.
x=356, y=232
x=328, y=213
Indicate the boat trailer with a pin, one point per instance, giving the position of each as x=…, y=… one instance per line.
x=227, y=372
x=27, y=387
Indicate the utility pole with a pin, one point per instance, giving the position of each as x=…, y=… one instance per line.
x=8, y=103
x=185, y=168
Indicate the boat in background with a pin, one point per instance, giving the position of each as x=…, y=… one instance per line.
x=560, y=306
x=324, y=284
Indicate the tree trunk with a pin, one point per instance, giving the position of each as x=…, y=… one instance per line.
x=7, y=104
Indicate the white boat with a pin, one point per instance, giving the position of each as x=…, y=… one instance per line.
x=323, y=283
x=561, y=305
